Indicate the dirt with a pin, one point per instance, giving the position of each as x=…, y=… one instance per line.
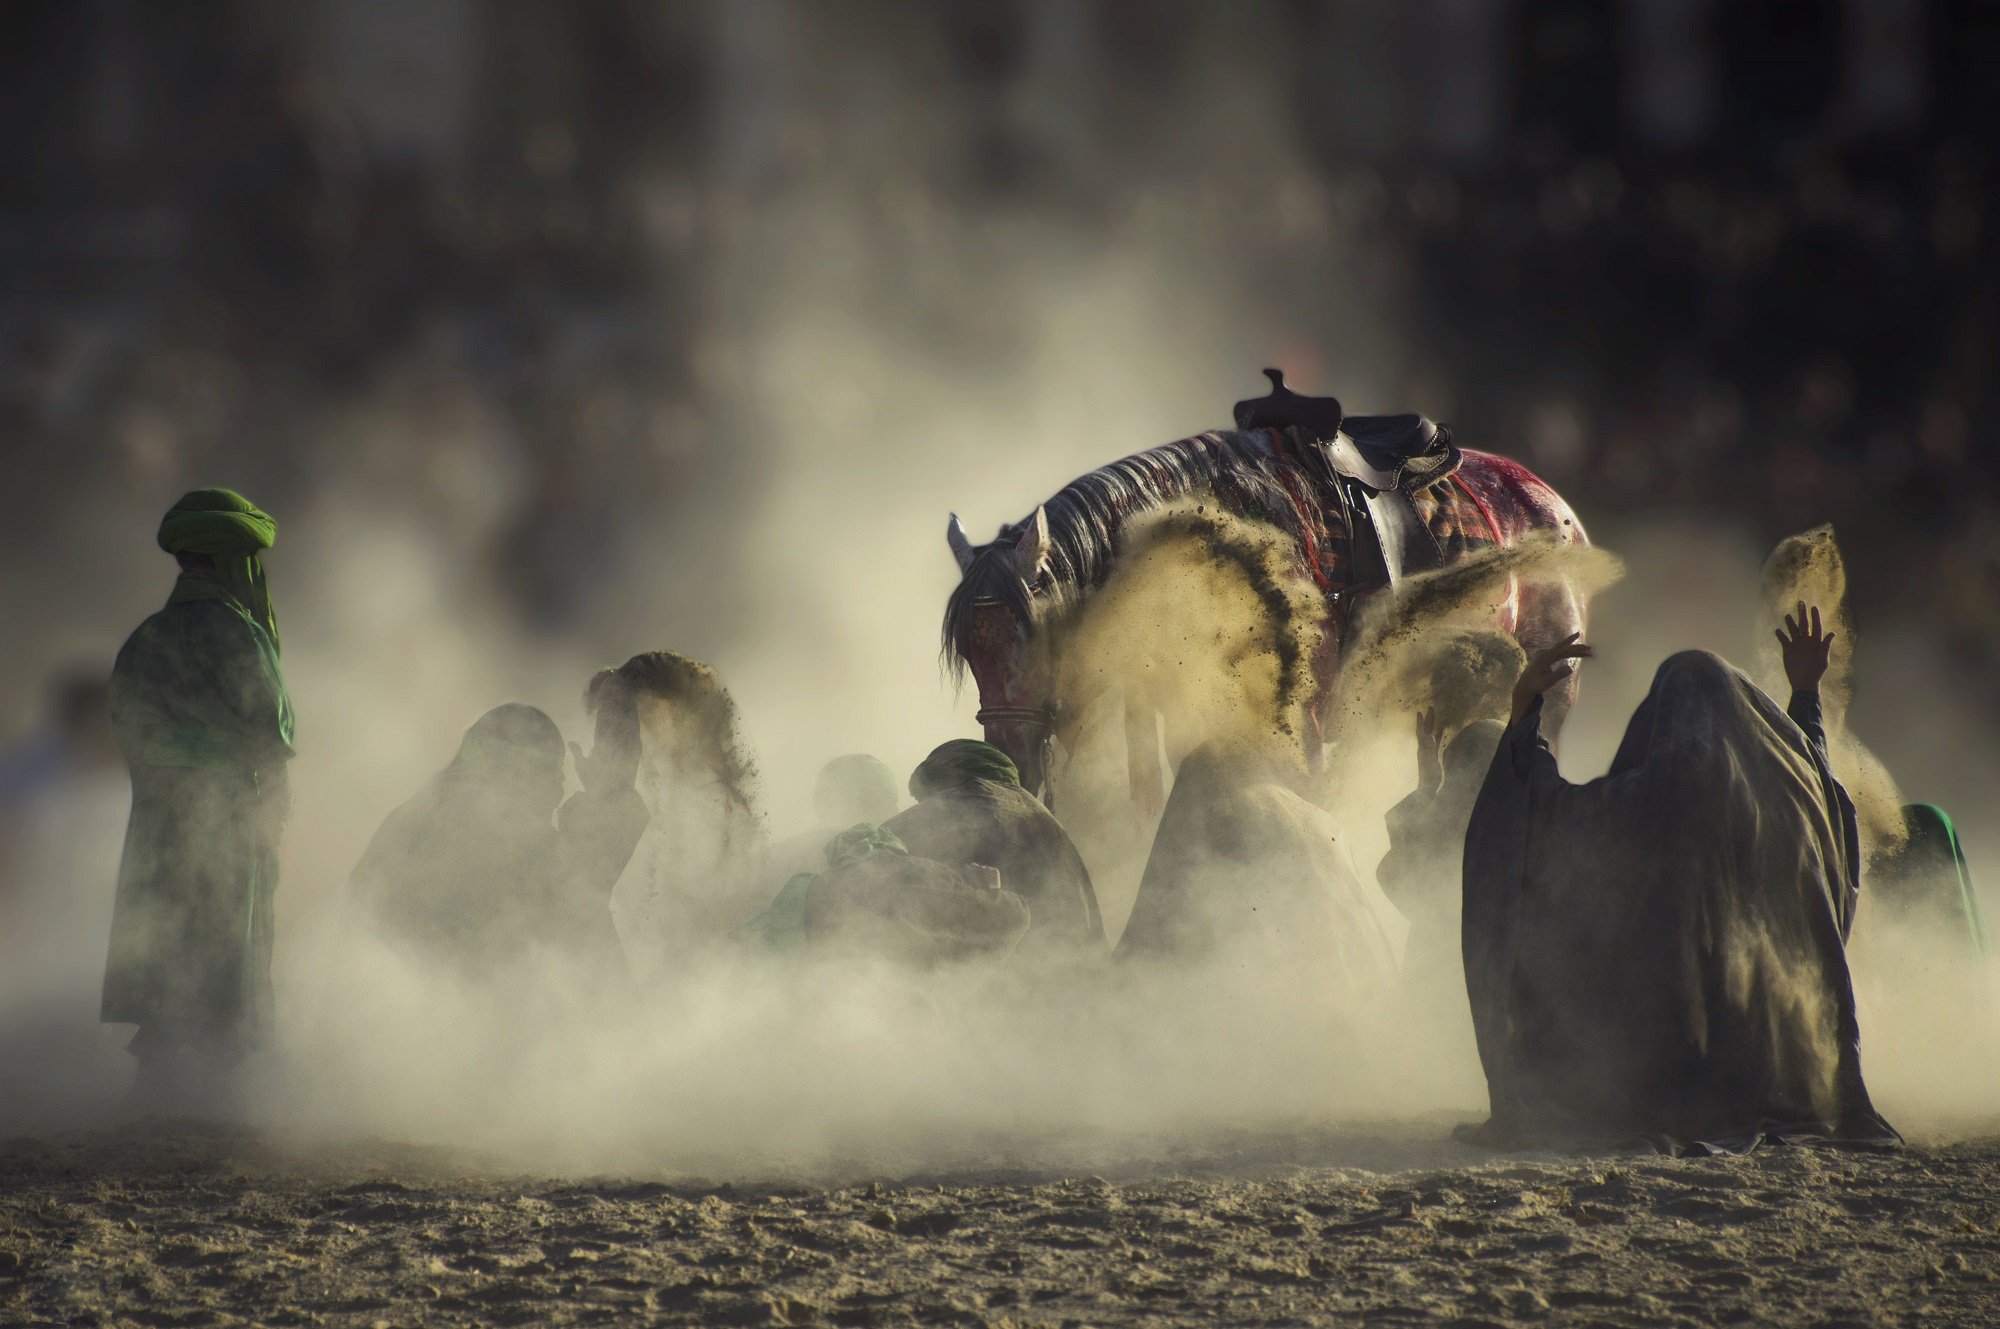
x=164, y=1223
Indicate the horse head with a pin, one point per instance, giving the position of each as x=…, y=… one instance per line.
x=992, y=627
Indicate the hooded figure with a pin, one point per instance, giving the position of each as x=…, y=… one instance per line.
x=697, y=875
x=478, y=868
x=1661, y=952
x=971, y=809
x=199, y=710
x=1242, y=860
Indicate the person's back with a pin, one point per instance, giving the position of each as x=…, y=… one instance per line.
x=1245, y=871
x=1661, y=951
x=199, y=709
x=478, y=870
x=971, y=809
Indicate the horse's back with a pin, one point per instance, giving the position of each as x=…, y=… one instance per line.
x=1515, y=500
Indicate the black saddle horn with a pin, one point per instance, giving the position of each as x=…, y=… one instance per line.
x=1285, y=409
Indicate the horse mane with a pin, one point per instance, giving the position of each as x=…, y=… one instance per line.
x=1088, y=518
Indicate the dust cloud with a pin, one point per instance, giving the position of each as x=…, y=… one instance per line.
x=812, y=578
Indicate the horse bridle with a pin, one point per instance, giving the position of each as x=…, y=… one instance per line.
x=1045, y=716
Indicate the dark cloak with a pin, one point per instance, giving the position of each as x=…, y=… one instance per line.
x=1661, y=952
x=474, y=870
x=1240, y=857
x=199, y=708
x=1004, y=826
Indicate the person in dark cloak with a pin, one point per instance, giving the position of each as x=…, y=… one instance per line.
x=877, y=899
x=481, y=869
x=1660, y=953
x=200, y=712
x=971, y=809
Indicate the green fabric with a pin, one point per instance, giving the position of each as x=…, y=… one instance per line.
x=860, y=841
x=781, y=927
x=1933, y=862
x=995, y=823
x=200, y=684
x=231, y=530
x=960, y=762
x=199, y=708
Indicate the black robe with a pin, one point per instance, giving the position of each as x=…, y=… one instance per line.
x=1661, y=952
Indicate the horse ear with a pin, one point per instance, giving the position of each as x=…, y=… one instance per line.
x=961, y=544
x=1031, y=544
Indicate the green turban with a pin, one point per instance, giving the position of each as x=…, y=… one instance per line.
x=232, y=531
x=217, y=522
x=861, y=841
x=960, y=762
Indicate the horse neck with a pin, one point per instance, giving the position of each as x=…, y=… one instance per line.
x=1245, y=475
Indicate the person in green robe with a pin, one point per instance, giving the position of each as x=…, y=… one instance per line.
x=971, y=809
x=200, y=713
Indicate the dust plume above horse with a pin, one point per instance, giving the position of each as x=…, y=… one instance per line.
x=1354, y=504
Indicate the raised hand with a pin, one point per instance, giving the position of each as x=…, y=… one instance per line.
x=1806, y=649
x=1545, y=669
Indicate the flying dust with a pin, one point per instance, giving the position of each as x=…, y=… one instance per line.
x=810, y=572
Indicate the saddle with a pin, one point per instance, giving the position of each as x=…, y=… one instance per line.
x=1407, y=452
x=1377, y=462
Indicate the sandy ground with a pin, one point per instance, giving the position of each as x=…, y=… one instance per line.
x=179, y=1224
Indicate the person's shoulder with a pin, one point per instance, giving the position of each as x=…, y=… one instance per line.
x=193, y=617
x=997, y=793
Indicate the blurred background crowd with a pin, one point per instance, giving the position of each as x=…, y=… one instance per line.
x=507, y=265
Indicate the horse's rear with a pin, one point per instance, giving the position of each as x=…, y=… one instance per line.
x=1495, y=500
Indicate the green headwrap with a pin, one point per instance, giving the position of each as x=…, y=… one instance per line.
x=232, y=531
x=1932, y=858
x=782, y=927
x=861, y=841
x=959, y=762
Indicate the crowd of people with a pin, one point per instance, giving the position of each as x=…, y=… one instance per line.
x=1659, y=953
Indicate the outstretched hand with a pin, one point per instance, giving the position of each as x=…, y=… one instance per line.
x=1806, y=649
x=1545, y=669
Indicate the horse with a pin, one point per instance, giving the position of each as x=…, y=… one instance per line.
x=1332, y=488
